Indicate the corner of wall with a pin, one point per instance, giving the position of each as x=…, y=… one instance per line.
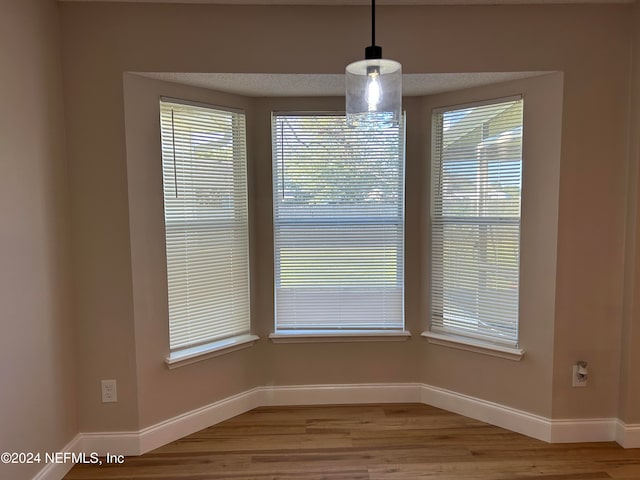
x=629, y=385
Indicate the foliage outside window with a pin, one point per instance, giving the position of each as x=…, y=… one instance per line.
x=338, y=196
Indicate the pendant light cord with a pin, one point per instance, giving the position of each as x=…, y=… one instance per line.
x=373, y=22
x=373, y=52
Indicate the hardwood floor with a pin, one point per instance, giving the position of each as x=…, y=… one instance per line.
x=366, y=442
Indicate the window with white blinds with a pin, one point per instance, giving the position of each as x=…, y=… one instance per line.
x=206, y=222
x=475, y=221
x=338, y=225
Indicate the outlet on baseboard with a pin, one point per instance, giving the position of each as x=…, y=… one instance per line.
x=109, y=391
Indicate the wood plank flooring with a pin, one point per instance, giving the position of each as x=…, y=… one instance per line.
x=366, y=442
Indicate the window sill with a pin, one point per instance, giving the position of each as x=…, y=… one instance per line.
x=340, y=336
x=515, y=354
x=210, y=350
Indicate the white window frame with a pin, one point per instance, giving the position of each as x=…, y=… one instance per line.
x=327, y=333
x=439, y=332
x=222, y=337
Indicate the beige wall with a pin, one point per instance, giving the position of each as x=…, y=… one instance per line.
x=203, y=382
x=630, y=365
x=37, y=368
x=526, y=384
x=589, y=44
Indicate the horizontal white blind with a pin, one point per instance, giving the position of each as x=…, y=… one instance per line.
x=206, y=223
x=475, y=221
x=338, y=224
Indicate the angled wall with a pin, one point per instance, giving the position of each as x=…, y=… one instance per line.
x=527, y=382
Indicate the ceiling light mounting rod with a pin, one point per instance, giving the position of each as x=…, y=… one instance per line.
x=373, y=22
x=373, y=52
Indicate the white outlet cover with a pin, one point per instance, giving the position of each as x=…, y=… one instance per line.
x=109, y=391
x=575, y=380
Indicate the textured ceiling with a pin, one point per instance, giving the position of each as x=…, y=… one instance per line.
x=322, y=85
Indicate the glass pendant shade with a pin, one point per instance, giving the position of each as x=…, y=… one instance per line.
x=374, y=93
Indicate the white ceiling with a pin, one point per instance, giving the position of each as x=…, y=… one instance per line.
x=361, y=2
x=324, y=85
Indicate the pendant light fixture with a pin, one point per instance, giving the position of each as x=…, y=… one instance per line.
x=373, y=87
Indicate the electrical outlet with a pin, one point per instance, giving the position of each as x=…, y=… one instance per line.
x=578, y=380
x=109, y=391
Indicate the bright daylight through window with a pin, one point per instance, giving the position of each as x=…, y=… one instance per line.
x=206, y=222
x=338, y=225
x=475, y=221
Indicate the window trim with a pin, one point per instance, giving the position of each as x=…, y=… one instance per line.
x=215, y=346
x=440, y=336
x=337, y=334
x=187, y=356
x=479, y=103
x=483, y=347
x=191, y=103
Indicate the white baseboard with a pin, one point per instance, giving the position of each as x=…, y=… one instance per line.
x=583, y=430
x=529, y=424
x=117, y=443
x=149, y=438
x=506, y=417
x=55, y=471
x=632, y=436
x=177, y=427
x=628, y=435
x=341, y=394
